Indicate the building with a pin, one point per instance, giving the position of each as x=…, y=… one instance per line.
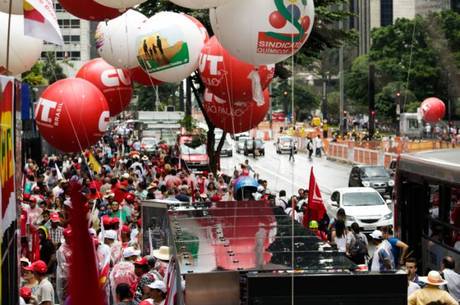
x=376, y=13
x=77, y=46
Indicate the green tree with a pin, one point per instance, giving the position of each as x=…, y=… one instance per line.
x=34, y=77
x=52, y=70
x=386, y=100
x=167, y=93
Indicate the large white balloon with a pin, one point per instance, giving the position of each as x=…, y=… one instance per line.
x=199, y=4
x=120, y=4
x=24, y=50
x=16, y=7
x=116, y=39
x=169, y=46
x=262, y=32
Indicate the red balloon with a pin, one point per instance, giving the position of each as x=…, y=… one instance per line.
x=89, y=10
x=228, y=77
x=235, y=117
x=72, y=114
x=141, y=77
x=433, y=110
x=277, y=20
x=305, y=22
x=114, y=83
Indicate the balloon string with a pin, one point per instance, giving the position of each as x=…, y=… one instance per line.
x=292, y=176
x=8, y=36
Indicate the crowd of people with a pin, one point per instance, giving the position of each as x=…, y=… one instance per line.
x=115, y=176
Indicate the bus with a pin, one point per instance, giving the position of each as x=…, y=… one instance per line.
x=427, y=205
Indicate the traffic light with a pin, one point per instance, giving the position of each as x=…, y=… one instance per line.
x=285, y=93
x=373, y=113
x=398, y=94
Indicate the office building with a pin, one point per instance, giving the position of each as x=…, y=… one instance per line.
x=76, y=34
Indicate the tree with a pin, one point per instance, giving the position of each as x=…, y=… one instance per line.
x=305, y=100
x=167, y=93
x=34, y=77
x=386, y=100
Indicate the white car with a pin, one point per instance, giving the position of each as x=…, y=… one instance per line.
x=149, y=144
x=363, y=205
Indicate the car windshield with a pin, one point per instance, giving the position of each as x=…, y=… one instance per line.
x=371, y=172
x=242, y=140
x=362, y=199
x=186, y=150
x=285, y=140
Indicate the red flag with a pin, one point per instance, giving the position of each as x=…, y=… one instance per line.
x=315, y=209
x=84, y=278
x=171, y=283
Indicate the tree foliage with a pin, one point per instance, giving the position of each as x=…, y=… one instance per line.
x=168, y=95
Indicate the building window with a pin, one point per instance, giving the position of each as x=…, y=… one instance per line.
x=69, y=39
x=69, y=23
x=58, y=7
x=75, y=55
x=386, y=12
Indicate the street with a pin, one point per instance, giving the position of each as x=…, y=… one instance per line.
x=283, y=174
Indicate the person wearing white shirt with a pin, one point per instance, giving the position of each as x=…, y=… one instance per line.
x=452, y=277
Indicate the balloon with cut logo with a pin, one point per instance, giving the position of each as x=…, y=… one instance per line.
x=199, y=4
x=89, y=10
x=169, y=46
x=16, y=7
x=24, y=50
x=235, y=117
x=120, y=4
x=230, y=78
x=116, y=39
x=113, y=82
x=141, y=77
x=72, y=114
x=262, y=32
x=433, y=110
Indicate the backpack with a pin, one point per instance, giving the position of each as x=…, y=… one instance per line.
x=358, y=246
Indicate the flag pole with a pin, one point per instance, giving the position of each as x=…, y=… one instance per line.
x=10, y=9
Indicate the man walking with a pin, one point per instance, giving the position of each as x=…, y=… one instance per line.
x=292, y=152
x=431, y=293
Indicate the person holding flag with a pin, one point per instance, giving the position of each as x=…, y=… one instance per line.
x=315, y=209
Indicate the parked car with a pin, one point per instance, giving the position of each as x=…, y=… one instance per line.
x=194, y=158
x=226, y=149
x=363, y=205
x=284, y=144
x=239, y=144
x=149, y=144
x=257, y=149
x=376, y=177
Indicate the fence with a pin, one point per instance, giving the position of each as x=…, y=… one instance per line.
x=358, y=155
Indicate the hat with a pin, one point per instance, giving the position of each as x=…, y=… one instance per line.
x=25, y=260
x=434, y=278
x=145, y=158
x=67, y=232
x=130, y=251
x=34, y=199
x=115, y=220
x=106, y=220
x=68, y=203
x=125, y=175
x=313, y=224
x=25, y=292
x=125, y=229
x=130, y=197
x=45, y=230
x=110, y=234
x=38, y=267
x=26, y=197
x=160, y=285
x=162, y=253
x=92, y=232
x=54, y=217
x=109, y=194
x=141, y=262
x=377, y=234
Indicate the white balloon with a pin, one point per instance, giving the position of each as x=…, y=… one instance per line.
x=260, y=32
x=116, y=39
x=120, y=4
x=16, y=8
x=199, y=4
x=169, y=46
x=24, y=50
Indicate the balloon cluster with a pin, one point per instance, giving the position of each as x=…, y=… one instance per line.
x=236, y=66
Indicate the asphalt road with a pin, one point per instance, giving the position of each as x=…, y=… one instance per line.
x=290, y=176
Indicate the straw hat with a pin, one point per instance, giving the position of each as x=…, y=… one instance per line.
x=434, y=278
x=162, y=253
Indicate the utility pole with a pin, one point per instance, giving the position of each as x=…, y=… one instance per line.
x=342, y=124
x=188, y=100
x=398, y=113
x=324, y=103
x=181, y=96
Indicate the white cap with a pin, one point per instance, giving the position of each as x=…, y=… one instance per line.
x=91, y=231
x=160, y=285
x=110, y=234
x=377, y=234
x=130, y=251
x=68, y=203
x=125, y=175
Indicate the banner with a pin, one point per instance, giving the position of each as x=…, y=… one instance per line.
x=40, y=21
x=7, y=189
x=7, y=192
x=93, y=164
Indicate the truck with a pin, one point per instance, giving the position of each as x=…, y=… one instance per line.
x=193, y=158
x=161, y=125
